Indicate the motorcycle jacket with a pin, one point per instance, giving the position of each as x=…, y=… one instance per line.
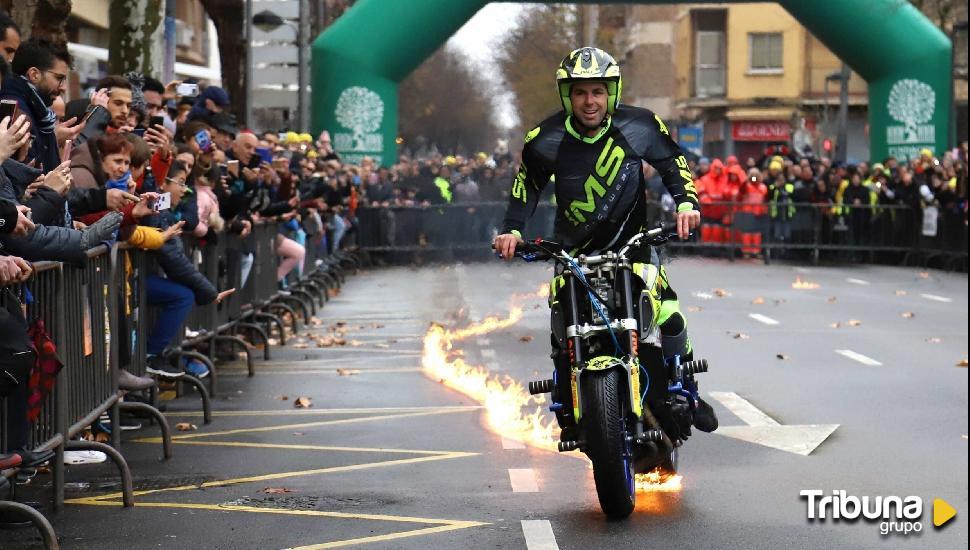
x=599, y=182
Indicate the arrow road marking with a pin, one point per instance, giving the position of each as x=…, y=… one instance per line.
x=761, y=429
x=869, y=361
x=488, y=353
x=523, y=480
x=763, y=319
x=857, y=281
x=936, y=298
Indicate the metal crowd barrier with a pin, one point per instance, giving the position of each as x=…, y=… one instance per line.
x=98, y=317
x=893, y=233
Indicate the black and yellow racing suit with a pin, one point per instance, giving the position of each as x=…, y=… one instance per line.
x=600, y=197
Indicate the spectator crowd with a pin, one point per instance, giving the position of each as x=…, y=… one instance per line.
x=146, y=163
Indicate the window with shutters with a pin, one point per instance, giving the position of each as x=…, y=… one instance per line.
x=765, y=53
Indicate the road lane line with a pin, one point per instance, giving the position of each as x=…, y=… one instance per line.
x=483, y=342
x=763, y=319
x=511, y=444
x=742, y=409
x=858, y=357
x=538, y=535
x=488, y=353
x=936, y=298
x=523, y=480
x=857, y=281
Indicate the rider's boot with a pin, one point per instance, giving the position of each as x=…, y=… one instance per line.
x=705, y=419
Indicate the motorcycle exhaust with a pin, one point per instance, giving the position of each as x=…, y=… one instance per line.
x=541, y=386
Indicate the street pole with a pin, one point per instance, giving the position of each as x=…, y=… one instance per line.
x=591, y=23
x=248, y=32
x=302, y=37
x=168, y=66
x=841, y=147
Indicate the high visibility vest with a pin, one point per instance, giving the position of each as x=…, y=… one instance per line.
x=444, y=187
x=776, y=193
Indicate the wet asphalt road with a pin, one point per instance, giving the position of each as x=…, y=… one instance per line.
x=386, y=458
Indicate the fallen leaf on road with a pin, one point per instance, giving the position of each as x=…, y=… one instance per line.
x=341, y=323
x=347, y=372
x=907, y=315
x=758, y=301
x=382, y=345
x=282, y=397
x=779, y=302
x=720, y=292
x=186, y=427
x=854, y=322
x=298, y=433
x=694, y=309
x=835, y=325
x=934, y=340
x=525, y=339
x=377, y=325
x=900, y=293
x=741, y=336
x=962, y=363
x=924, y=274
x=276, y=490
x=782, y=356
x=315, y=321
x=303, y=403
x=339, y=342
x=355, y=343
x=325, y=342
x=832, y=299
x=301, y=345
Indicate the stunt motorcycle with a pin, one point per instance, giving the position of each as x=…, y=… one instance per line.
x=615, y=396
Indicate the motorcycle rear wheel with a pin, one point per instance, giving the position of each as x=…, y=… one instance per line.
x=604, y=418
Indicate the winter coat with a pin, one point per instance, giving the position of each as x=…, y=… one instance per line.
x=176, y=266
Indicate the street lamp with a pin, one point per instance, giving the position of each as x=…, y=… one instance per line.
x=267, y=22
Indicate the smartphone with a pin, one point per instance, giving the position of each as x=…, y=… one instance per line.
x=156, y=121
x=187, y=90
x=224, y=170
x=204, y=140
x=8, y=108
x=265, y=154
x=140, y=132
x=164, y=202
x=66, y=153
x=87, y=114
x=232, y=166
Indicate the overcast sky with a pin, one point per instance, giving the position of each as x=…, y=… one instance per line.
x=478, y=37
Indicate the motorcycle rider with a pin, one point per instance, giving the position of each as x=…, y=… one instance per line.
x=593, y=151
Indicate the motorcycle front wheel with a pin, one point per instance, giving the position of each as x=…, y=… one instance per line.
x=605, y=408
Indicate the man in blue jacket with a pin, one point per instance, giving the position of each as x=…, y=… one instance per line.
x=39, y=74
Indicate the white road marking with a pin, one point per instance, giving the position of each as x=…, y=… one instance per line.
x=743, y=409
x=858, y=357
x=704, y=295
x=511, y=444
x=936, y=298
x=484, y=342
x=857, y=281
x=538, y=535
x=523, y=480
x=763, y=319
x=488, y=353
x=761, y=429
x=493, y=366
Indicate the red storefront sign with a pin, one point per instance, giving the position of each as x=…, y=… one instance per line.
x=771, y=130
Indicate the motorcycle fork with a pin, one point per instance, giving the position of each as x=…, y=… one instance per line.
x=574, y=344
x=630, y=340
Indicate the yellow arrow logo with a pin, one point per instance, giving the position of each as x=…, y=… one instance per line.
x=942, y=512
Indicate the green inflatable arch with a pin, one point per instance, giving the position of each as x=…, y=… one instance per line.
x=359, y=61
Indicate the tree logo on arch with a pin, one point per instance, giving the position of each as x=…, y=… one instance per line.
x=360, y=110
x=912, y=103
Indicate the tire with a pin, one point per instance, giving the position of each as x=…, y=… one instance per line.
x=604, y=421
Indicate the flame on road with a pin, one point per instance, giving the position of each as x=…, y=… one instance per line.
x=510, y=411
x=799, y=284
